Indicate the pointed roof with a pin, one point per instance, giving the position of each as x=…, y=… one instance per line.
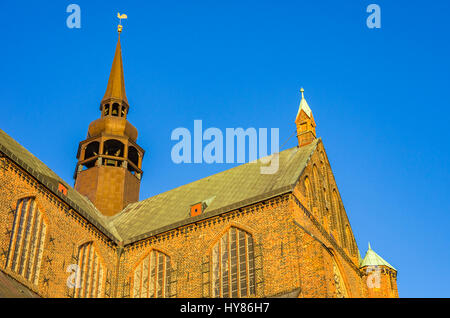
x=373, y=259
x=304, y=106
x=116, y=82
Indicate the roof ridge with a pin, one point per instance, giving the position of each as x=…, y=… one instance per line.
x=204, y=178
x=233, y=188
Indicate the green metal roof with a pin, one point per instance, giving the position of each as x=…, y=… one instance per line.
x=237, y=187
x=373, y=259
x=46, y=176
x=231, y=189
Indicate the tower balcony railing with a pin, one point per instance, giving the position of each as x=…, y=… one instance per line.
x=112, y=161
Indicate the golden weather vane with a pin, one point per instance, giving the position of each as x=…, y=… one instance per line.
x=120, y=16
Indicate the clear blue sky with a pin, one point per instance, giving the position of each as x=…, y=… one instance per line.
x=379, y=97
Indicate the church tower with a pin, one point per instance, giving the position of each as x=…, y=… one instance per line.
x=306, y=126
x=109, y=167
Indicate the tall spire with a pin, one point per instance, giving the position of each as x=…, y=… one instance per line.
x=109, y=167
x=116, y=83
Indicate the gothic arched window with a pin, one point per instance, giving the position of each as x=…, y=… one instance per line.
x=327, y=216
x=309, y=194
x=152, y=277
x=350, y=242
x=27, y=241
x=339, y=218
x=233, y=265
x=317, y=191
x=90, y=273
x=316, y=178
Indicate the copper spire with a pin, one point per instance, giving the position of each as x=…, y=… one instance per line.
x=116, y=82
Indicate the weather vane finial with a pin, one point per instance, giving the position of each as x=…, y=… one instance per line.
x=120, y=16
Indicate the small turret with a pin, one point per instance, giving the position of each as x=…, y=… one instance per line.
x=380, y=276
x=306, y=126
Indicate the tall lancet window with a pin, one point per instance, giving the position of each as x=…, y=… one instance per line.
x=309, y=194
x=27, y=241
x=151, y=278
x=90, y=274
x=233, y=265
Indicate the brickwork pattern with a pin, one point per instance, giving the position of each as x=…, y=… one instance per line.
x=65, y=233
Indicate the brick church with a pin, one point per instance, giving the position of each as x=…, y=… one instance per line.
x=238, y=233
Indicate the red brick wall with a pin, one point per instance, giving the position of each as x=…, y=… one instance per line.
x=381, y=282
x=289, y=257
x=66, y=231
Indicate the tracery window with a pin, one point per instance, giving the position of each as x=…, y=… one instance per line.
x=233, y=265
x=90, y=271
x=27, y=241
x=151, y=278
x=349, y=236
